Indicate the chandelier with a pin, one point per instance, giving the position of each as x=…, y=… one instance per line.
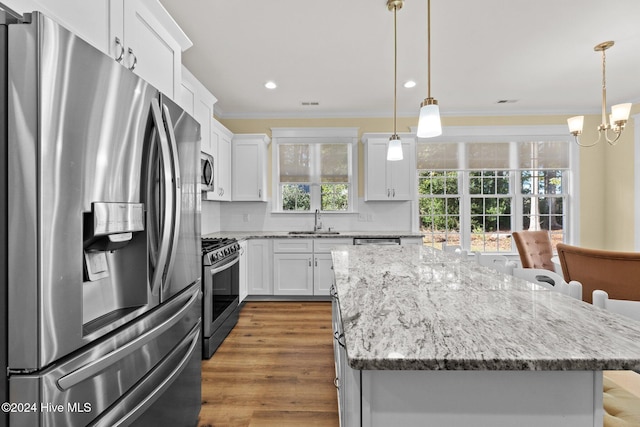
x=617, y=119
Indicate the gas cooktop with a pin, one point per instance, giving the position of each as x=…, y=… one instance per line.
x=217, y=249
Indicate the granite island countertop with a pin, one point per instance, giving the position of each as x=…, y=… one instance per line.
x=244, y=235
x=416, y=308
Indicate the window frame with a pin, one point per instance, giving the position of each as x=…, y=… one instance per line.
x=514, y=135
x=313, y=136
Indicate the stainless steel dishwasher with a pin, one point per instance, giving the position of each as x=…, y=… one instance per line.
x=376, y=241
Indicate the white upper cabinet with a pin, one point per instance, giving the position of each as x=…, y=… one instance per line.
x=188, y=92
x=387, y=180
x=249, y=167
x=145, y=38
x=199, y=102
x=87, y=19
x=221, y=152
x=139, y=33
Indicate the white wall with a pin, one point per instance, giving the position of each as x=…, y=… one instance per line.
x=210, y=217
x=371, y=216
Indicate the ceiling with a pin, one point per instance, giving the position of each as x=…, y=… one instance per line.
x=340, y=55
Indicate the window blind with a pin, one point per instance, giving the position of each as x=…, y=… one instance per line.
x=295, y=163
x=543, y=155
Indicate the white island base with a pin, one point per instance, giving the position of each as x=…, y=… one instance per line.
x=479, y=398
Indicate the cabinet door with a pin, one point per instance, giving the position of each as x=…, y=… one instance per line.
x=376, y=187
x=401, y=174
x=220, y=143
x=203, y=113
x=322, y=274
x=87, y=19
x=224, y=167
x=293, y=274
x=148, y=45
x=259, y=262
x=243, y=279
x=247, y=172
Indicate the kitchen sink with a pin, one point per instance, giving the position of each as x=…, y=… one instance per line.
x=314, y=232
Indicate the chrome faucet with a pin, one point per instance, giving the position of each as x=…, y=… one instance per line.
x=318, y=224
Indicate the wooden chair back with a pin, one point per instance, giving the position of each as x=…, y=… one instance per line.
x=617, y=273
x=534, y=248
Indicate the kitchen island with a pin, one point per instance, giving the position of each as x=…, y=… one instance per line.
x=425, y=337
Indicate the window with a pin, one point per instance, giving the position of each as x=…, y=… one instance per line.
x=315, y=170
x=475, y=193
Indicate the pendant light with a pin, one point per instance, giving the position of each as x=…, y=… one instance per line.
x=394, y=149
x=619, y=113
x=429, y=121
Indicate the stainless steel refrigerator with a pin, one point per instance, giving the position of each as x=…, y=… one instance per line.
x=101, y=315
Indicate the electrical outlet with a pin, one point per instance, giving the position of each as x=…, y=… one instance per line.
x=362, y=217
x=246, y=217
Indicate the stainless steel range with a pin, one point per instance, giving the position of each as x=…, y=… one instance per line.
x=221, y=280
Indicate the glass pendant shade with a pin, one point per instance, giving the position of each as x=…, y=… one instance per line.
x=394, y=148
x=575, y=124
x=429, y=121
x=620, y=112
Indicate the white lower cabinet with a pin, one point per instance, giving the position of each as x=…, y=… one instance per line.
x=259, y=267
x=348, y=380
x=292, y=274
x=322, y=273
x=303, y=267
x=244, y=271
x=293, y=267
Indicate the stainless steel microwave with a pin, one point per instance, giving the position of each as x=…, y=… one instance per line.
x=206, y=172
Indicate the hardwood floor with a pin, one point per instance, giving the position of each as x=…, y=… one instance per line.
x=274, y=369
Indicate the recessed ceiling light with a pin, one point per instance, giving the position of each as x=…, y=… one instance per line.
x=409, y=84
x=270, y=85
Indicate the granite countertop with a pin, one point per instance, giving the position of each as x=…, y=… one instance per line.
x=243, y=235
x=413, y=307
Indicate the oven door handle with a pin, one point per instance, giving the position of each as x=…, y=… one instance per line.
x=226, y=265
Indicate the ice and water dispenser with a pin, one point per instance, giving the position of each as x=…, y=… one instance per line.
x=115, y=263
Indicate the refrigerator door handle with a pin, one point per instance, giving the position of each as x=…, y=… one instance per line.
x=192, y=340
x=163, y=253
x=176, y=190
x=91, y=369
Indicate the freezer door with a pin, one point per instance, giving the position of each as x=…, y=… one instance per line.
x=120, y=378
x=184, y=138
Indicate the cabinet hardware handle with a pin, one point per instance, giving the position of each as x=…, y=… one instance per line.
x=121, y=54
x=336, y=382
x=338, y=337
x=309, y=262
x=332, y=291
x=259, y=193
x=316, y=262
x=388, y=192
x=394, y=192
x=135, y=59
